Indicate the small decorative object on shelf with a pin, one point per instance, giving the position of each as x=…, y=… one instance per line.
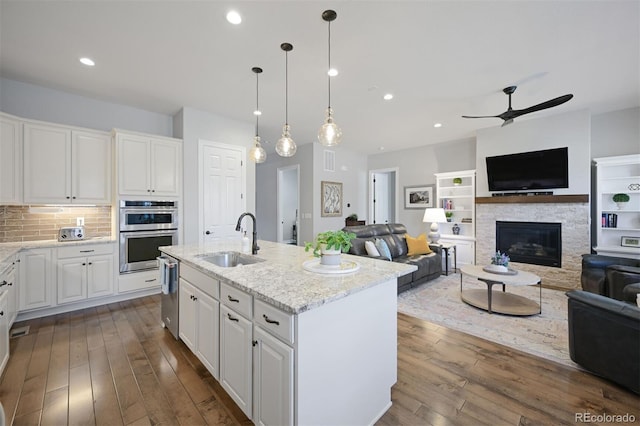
x=455, y=229
x=449, y=216
x=329, y=245
x=621, y=200
x=457, y=181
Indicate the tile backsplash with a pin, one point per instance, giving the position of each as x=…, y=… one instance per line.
x=36, y=223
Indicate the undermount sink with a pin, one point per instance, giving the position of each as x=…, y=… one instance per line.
x=229, y=259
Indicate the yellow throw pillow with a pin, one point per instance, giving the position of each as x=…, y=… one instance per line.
x=417, y=245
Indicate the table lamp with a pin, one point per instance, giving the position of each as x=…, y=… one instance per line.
x=434, y=215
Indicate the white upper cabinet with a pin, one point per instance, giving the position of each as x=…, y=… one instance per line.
x=148, y=165
x=10, y=160
x=63, y=165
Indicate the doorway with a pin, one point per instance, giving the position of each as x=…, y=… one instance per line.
x=288, y=194
x=222, y=190
x=383, y=190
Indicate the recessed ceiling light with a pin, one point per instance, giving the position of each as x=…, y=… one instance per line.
x=257, y=112
x=381, y=148
x=87, y=61
x=388, y=97
x=436, y=125
x=234, y=17
x=332, y=72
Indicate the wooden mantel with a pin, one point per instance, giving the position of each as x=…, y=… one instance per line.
x=522, y=199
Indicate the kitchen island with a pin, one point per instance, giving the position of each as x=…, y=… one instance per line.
x=295, y=347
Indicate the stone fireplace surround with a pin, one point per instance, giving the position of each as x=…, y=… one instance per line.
x=572, y=211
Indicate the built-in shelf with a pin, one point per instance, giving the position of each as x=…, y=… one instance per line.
x=521, y=199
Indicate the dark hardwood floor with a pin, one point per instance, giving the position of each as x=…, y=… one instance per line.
x=114, y=365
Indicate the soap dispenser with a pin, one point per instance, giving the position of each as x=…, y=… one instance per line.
x=246, y=243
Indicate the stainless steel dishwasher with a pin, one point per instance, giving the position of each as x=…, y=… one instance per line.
x=169, y=284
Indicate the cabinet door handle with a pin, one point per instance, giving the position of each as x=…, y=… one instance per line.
x=90, y=263
x=1, y=313
x=84, y=264
x=270, y=321
x=3, y=283
x=86, y=251
x=150, y=281
x=231, y=299
x=254, y=343
x=10, y=284
x=232, y=318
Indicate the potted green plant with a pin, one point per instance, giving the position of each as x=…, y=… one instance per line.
x=457, y=181
x=449, y=216
x=329, y=245
x=352, y=217
x=621, y=200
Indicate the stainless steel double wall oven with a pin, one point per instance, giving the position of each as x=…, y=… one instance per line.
x=145, y=226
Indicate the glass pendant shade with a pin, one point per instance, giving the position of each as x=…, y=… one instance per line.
x=257, y=152
x=329, y=134
x=286, y=147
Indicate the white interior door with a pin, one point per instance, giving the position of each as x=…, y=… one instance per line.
x=383, y=207
x=223, y=189
x=288, y=204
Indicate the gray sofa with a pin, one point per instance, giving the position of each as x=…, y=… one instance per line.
x=429, y=266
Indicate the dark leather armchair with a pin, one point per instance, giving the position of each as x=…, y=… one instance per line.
x=608, y=275
x=604, y=337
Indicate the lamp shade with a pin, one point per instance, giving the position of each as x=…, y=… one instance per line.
x=432, y=215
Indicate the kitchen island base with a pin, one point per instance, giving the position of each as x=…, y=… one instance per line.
x=346, y=358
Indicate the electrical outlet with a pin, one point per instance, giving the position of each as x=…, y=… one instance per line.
x=79, y=221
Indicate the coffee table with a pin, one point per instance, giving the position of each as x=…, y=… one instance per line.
x=500, y=302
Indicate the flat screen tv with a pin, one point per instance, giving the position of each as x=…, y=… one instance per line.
x=546, y=169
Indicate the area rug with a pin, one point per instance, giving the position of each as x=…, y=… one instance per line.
x=544, y=335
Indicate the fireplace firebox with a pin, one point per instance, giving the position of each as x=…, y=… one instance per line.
x=536, y=243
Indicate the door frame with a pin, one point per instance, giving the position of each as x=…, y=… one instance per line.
x=396, y=170
x=202, y=143
x=280, y=173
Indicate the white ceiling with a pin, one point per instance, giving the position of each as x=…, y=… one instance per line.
x=440, y=59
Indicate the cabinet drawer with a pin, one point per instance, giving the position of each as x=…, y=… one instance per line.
x=237, y=300
x=84, y=250
x=205, y=283
x=274, y=320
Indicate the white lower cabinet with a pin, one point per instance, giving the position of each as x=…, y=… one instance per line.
x=84, y=271
x=272, y=380
x=36, y=280
x=4, y=330
x=236, y=357
x=198, y=324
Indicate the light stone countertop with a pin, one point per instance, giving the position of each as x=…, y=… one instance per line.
x=281, y=280
x=9, y=250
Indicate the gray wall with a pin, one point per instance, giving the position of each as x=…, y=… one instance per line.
x=266, y=198
x=194, y=126
x=417, y=166
x=571, y=129
x=351, y=171
x=615, y=133
x=39, y=103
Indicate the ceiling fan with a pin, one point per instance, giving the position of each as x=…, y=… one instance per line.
x=511, y=113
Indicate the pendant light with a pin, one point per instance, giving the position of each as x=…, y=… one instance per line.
x=329, y=134
x=257, y=152
x=285, y=146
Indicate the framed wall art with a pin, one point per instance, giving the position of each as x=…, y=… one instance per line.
x=331, y=199
x=419, y=197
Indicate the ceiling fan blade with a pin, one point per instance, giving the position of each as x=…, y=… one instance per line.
x=480, y=116
x=544, y=105
x=506, y=122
